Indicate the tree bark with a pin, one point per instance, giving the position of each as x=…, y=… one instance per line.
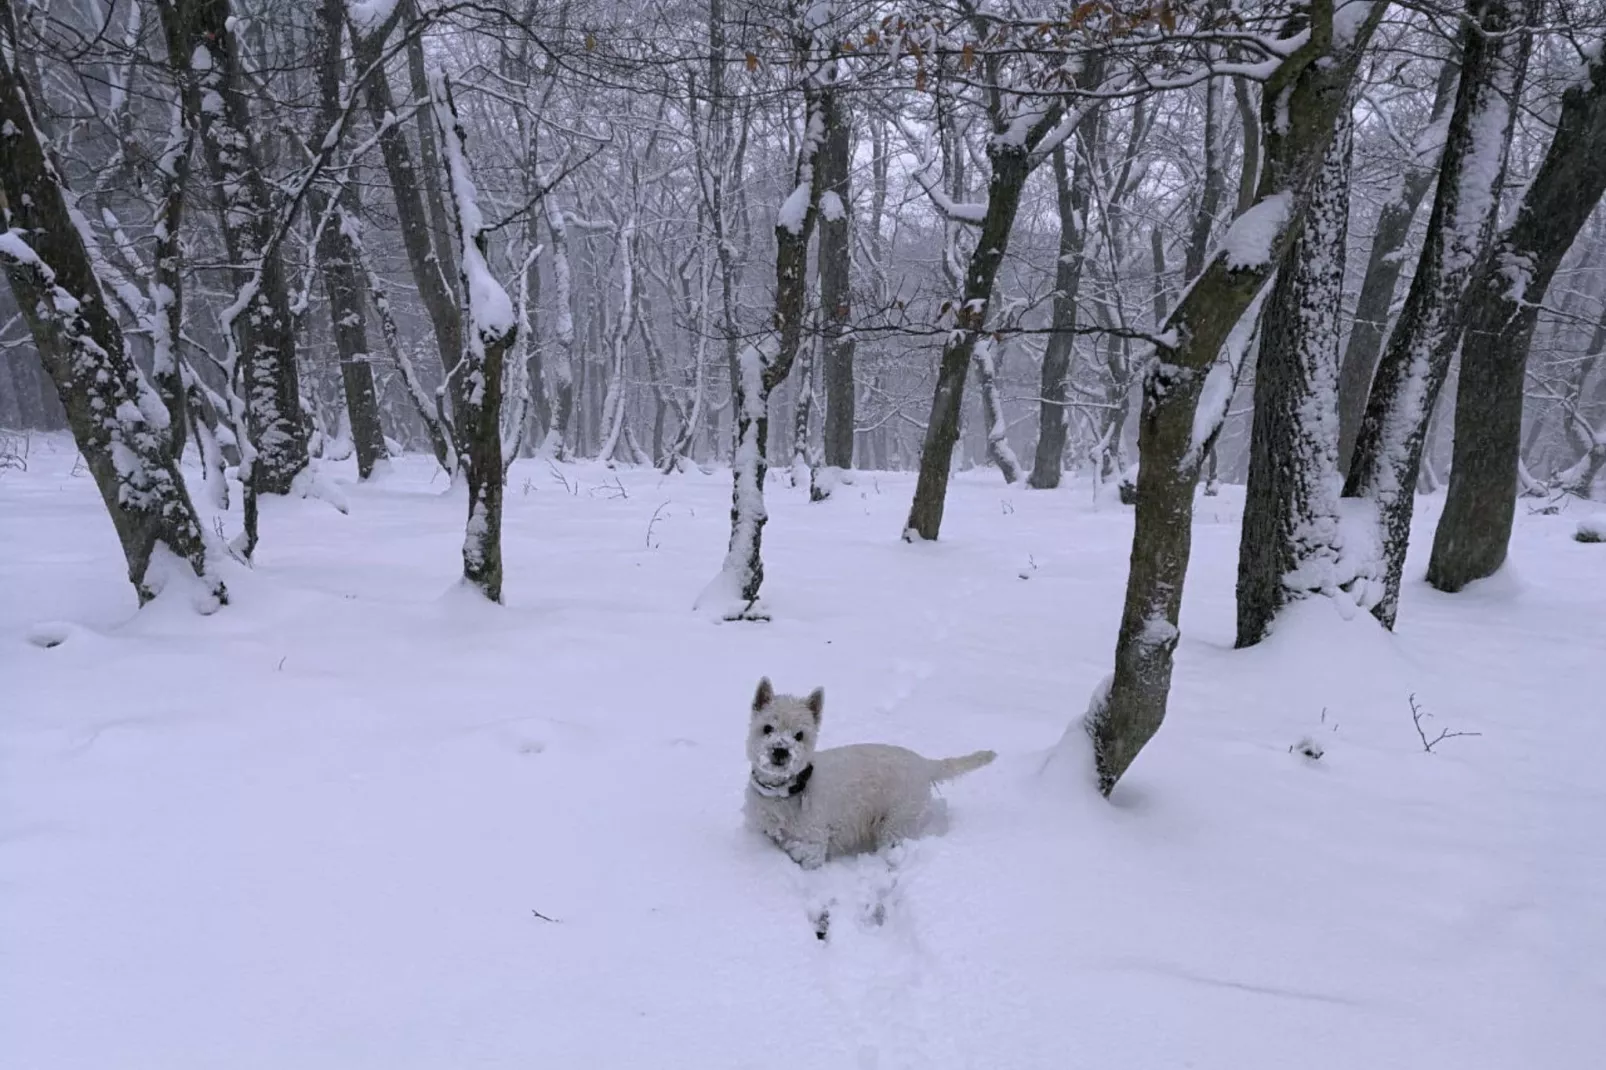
x=203, y=53
x=836, y=290
x=1290, y=546
x=1503, y=308
x=1010, y=168
x=1388, y=451
x=1369, y=326
x=733, y=593
x=118, y=422
x=492, y=329
x=341, y=279
x=1300, y=106
x=412, y=217
x=1072, y=196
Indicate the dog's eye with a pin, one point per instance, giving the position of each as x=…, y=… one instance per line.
x=768, y=729
x=798, y=737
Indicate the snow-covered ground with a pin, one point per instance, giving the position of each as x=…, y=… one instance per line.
x=357, y=820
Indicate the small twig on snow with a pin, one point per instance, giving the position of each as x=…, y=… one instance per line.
x=1417, y=713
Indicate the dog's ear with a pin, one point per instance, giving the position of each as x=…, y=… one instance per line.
x=816, y=703
x=764, y=695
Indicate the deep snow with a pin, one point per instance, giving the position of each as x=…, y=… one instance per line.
x=314, y=829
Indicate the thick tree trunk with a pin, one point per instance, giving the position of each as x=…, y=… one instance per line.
x=202, y=50
x=1388, y=451
x=1503, y=308
x=118, y=422
x=341, y=278
x=491, y=331
x=836, y=291
x=1370, y=324
x=1290, y=545
x=1301, y=104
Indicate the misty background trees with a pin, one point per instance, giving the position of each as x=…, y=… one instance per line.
x=1340, y=252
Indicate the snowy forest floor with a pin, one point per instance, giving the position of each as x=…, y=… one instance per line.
x=357, y=820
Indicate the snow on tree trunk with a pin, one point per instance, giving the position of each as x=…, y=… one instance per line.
x=204, y=54
x=1290, y=546
x=1011, y=166
x=1370, y=323
x=555, y=445
x=119, y=423
x=490, y=331
x=615, y=402
x=998, y=448
x=761, y=367
x=337, y=258
x=1300, y=105
x=1388, y=451
x=836, y=292
x=1503, y=309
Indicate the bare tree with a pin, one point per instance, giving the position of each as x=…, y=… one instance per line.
x=1388, y=452
x=1301, y=104
x=1502, y=310
x=118, y=422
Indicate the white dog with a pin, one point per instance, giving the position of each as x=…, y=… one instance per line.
x=845, y=800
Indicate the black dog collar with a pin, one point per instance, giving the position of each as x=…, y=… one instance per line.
x=786, y=790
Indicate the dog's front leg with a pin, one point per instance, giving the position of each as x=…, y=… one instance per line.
x=807, y=854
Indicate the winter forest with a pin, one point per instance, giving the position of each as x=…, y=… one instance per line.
x=1200, y=402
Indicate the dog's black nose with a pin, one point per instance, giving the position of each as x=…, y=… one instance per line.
x=778, y=756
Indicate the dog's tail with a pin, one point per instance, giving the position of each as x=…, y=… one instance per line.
x=949, y=768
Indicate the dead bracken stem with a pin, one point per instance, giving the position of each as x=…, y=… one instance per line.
x=1417, y=713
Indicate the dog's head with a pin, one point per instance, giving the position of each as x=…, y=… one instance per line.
x=782, y=732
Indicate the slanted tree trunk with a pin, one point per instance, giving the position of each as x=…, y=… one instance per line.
x=413, y=219
x=763, y=366
x=836, y=291
x=1503, y=309
x=491, y=330
x=1300, y=106
x=999, y=450
x=336, y=256
x=614, y=404
x=1073, y=196
x=118, y=422
x=203, y=53
x=1290, y=545
x=1388, y=451
x=1369, y=326
x=1012, y=161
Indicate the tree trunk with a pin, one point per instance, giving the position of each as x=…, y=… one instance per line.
x=992, y=407
x=1290, y=545
x=733, y=593
x=556, y=444
x=1301, y=103
x=118, y=422
x=341, y=279
x=492, y=328
x=1504, y=303
x=1073, y=196
x=1010, y=169
x=412, y=217
x=202, y=50
x=1370, y=324
x=1388, y=450
x=836, y=290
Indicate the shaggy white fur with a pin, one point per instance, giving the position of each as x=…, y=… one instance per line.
x=822, y=804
